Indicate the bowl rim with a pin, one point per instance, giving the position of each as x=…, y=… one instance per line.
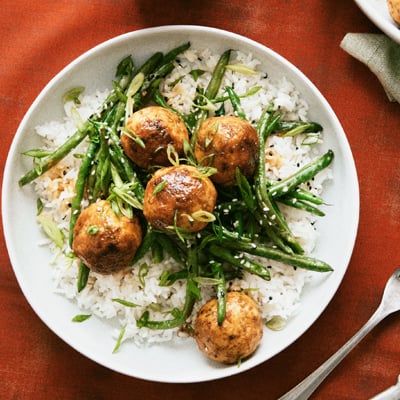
x=380, y=16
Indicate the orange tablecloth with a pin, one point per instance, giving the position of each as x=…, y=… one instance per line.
x=38, y=38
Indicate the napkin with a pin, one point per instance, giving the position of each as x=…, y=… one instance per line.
x=382, y=56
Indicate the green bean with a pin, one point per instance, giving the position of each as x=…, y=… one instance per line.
x=306, y=195
x=221, y=232
x=122, y=195
x=159, y=99
x=150, y=83
x=160, y=72
x=217, y=76
x=83, y=276
x=211, y=91
x=157, y=252
x=235, y=101
x=302, y=199
x=169, y=278
x=303, y=175
x=99, y=176
x=172, y=248
x=266, y=124
x=172, y=54
x=145, y=246
x=120, y=159
x=301, y=205
x=154, y=70
x=296, y=260
x=249, y=93
x=57, y=155
x=292, y=128
x=103, y=171
x=239, y=260
x=80, y=186
x=91, y=178
x=221, y=292
x=245, y=190
x=150, y=64
x=179, y=316
x=124, y=73
x=265, y=201
x=273, y=234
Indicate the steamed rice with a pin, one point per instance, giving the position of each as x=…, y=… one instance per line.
x=279, y=297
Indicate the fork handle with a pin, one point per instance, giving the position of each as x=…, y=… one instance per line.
x=306, y=387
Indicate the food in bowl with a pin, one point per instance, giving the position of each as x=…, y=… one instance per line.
x=259, y=234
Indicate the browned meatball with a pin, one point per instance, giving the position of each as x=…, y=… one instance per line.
x=105, y=242
x=175, y=196
x=237, y=337
x=156, y=128
x=394, y=10
x=226, y=143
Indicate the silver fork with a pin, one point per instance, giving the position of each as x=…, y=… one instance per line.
x=390, y=303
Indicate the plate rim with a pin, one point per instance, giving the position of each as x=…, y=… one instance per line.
x=381, y=19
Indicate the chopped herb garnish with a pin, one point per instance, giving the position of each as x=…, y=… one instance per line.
x=92, y=230
x=143, y=271
x=39, y=206
x=119, y=339
x=243, y=69
x=125, y=303
x=159, y=188
x=203, y=216
x=276, y=323
x=51, y=229
x=37, y=153
x=176, y=81
x=73, y=95
x=81, y=317
x=172, y=155
x=196, y=73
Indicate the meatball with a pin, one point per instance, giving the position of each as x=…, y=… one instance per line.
x=154, y=128
x=105, y=242
x=227, y=143
x=237, y=337
x=394, y=10
x=176, y=197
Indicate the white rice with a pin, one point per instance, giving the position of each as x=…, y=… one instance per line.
x=279, y=297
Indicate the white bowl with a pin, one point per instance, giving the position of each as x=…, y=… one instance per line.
x=169, y=363
x=378, y=12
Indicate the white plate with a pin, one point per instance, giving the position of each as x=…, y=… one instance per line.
x=169, y=363
x=377, y=11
